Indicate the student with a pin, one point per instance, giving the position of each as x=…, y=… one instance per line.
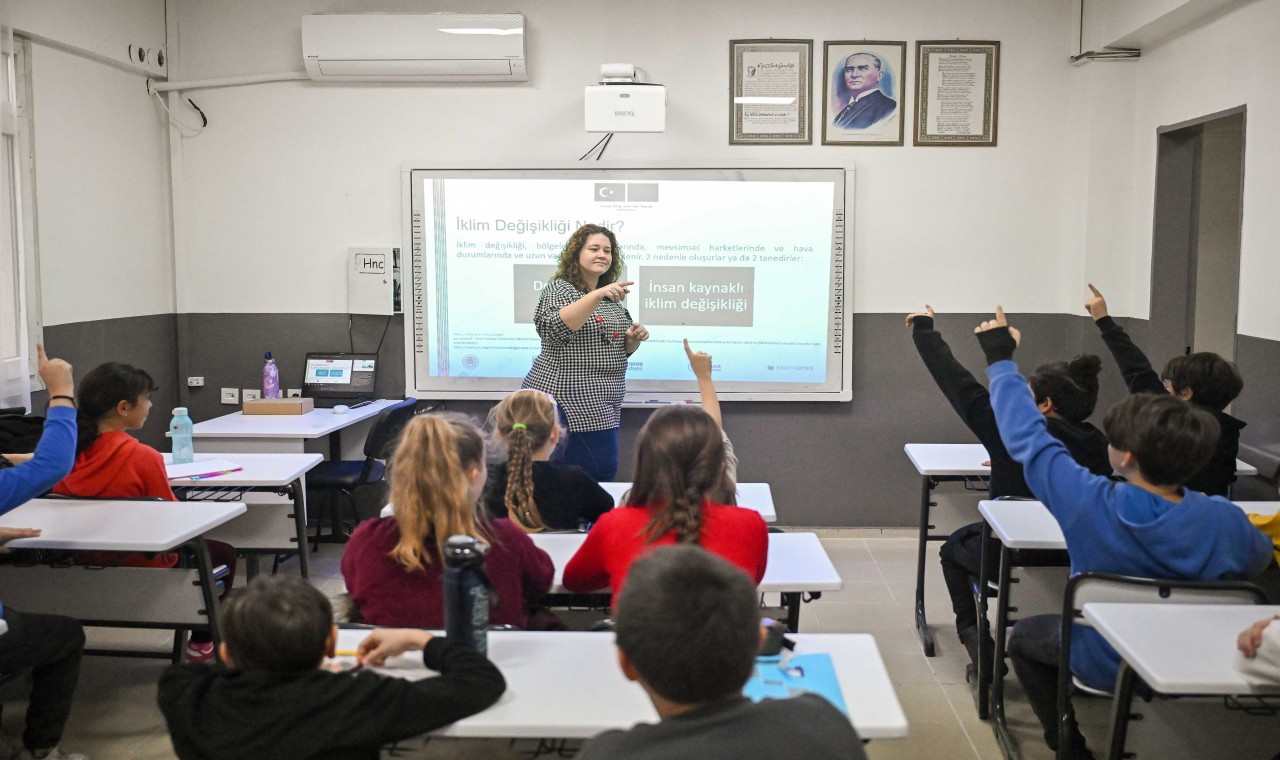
x=1150, y=526
x=111, y=464
x=681, y=495
x=1203, y=378
x=534, y=492
x=700, y=363
x=392, y=565
x=688, y=629
x=271, y=699
x=1259, y=646
x=1065, y=393
x=49, y=646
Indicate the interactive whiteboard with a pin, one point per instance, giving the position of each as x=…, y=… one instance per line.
x=747, y=263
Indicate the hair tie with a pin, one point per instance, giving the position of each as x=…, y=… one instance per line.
x=519, y=426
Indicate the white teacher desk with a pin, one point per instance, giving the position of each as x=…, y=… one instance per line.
x=177, y=598
x=284, y=433
x=568, y=685
x=270, y=527
x=1178, y=650
x=757, y=496
x=797, y=565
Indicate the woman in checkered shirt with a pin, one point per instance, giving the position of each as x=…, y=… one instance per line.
x=587, y=336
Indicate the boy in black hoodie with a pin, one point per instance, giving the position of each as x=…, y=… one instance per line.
x=1203, y=378
x=270, y=700
x=1065, y=393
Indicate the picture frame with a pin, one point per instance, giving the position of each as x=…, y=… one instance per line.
x=862, y=103
x=957, y=93
x=770, y=92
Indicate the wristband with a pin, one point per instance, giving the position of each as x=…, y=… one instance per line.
x=68, y=398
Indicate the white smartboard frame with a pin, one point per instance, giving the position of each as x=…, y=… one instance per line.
x=839, y=336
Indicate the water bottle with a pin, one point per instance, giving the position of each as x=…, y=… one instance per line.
x=466, y=592
x=180, y=433
x=270, y=378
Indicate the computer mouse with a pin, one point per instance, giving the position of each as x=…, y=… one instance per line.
x=341, y=409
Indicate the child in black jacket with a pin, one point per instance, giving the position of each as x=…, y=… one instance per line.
x=1065, y=392
x=270, y=700
x=1203, y=378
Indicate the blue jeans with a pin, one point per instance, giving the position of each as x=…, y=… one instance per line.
x=595, y=451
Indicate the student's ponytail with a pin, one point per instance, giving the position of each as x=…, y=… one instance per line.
x=679, y=465
x=101, y=391
x=524, y=422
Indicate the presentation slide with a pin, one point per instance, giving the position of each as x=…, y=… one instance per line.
x=748, y=270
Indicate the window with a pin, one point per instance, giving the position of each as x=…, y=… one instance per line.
x=18, y=283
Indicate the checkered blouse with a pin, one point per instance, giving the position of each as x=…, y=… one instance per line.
x=585, y=369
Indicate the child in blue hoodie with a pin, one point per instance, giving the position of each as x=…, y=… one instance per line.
x=1149, y=527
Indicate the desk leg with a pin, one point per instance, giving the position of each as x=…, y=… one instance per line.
x=985, y=659
x=299, y=489
x=791, y=600
x=251, y=566
x=335, y=446
x=922, y=625
x=1120, y=709
x=1001, y=726
x=207, y=589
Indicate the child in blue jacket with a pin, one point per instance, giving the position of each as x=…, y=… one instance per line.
x=1149, y=527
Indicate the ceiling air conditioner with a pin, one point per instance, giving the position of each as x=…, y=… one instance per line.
x=414, y=47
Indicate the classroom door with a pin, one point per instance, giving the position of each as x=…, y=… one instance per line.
x=1195, y=272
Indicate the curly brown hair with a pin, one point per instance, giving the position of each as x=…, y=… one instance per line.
x=571, y=271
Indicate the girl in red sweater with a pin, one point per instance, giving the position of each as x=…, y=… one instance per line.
x=392, y=565
x=681, y=495
x=111, y=464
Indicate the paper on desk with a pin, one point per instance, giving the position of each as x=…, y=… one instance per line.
x=203, y=467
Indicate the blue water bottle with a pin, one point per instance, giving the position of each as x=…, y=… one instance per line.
x=180, y=433
x=270, y=378
x=466, y=592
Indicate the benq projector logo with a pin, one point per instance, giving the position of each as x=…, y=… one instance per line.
x=632, y=114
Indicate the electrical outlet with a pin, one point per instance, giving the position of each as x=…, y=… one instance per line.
x=251, y=394
x=231, y=395
x=195, y=382
x=293, y=393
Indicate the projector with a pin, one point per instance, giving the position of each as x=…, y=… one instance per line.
x=629, y=107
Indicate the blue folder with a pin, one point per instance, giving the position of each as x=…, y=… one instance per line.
x=802, y=674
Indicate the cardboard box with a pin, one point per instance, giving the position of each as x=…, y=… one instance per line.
x=279, y=406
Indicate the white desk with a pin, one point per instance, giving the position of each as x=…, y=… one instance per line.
x=568, y=685
x=756, y=496
x=1199, y=660
x=269, y=528
x=797, y=565
x=174, y=598
x=938, y=463
x=281, y=433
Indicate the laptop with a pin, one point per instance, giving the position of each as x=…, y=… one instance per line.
x=339, y=378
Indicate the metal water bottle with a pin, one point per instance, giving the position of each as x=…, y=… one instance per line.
x=466, y=592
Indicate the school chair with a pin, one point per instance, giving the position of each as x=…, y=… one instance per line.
x=345, y=476
x=1090, y=587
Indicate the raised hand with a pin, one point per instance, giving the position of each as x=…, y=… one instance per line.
x=55, y=373
x=998, y=322
x=1097, y=305
x=699, y=361
x=928, y=312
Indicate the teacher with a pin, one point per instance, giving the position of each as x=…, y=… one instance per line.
x=587, y=336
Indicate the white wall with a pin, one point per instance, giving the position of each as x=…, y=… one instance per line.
x=287, y=176
x=1221, y=65
x=101, y=163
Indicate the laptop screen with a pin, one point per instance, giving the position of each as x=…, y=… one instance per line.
x=339, y=375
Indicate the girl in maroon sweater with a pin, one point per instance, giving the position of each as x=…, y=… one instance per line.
x=392, y=565
x=681, y=495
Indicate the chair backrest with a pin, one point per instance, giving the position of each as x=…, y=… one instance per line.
x=1110, y=587
x=387, y=428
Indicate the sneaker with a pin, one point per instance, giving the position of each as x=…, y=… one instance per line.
x=54, y=754
x=199, y=651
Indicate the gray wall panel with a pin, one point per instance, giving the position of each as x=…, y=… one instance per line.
x=145, y=342
x=1259, y=403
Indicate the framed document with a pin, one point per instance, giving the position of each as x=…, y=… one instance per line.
x=862, y=93
x=957, y=89
x=771, y=91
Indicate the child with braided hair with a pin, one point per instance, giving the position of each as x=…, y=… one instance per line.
x=534, y=492
x=681, y=495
